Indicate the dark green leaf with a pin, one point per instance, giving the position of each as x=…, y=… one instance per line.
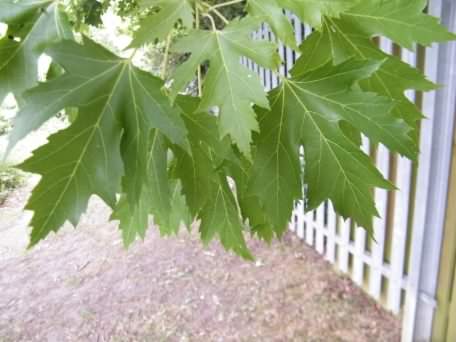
x=32, y=25
x=228, y=84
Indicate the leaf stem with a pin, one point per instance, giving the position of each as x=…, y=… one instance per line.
x=198, y=71
x=166, y=57
x=211, y=19
x=217, y=12
x=221, y=16
x=228, y=3
x=133, y=54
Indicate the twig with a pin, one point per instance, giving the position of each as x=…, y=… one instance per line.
x=228, y=3
x=217, y=12
x=198, y=71
x=166, y=57
x=207, y=15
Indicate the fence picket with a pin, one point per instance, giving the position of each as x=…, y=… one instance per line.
x=309, y=228
x=331, y=238
x=343, y=255
x=320, y=229
x=300, y=220
x=360, y=240
x=400, y=218
x=289, y=61
x=381, y=198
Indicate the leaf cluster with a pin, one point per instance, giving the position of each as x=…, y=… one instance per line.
x=233, y=157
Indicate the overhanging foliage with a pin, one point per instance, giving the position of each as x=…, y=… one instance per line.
x=229, y=157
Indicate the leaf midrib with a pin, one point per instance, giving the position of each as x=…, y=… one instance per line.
x=81, y=156
x=22, y=43
x=308, y=112
x=350, y=107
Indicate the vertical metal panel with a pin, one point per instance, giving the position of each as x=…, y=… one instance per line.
x=433, y=172
x=451, y=332
x=444, y=327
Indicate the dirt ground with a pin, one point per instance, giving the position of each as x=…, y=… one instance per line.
x=83, y=286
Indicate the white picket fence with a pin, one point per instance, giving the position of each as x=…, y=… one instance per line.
x=400, y=268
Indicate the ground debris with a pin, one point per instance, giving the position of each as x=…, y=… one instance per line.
x=81, y=285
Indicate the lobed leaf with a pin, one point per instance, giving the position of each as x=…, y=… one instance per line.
x=160, y=24
x=119, y=106
x=32, y=26
x=228, y=85
x=307, y=110
x=403, y=21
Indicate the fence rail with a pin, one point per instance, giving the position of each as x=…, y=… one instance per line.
x=400, y=268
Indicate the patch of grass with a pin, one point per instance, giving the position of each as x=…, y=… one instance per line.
x=10, y=179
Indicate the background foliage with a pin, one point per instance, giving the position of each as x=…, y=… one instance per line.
x=10, y=179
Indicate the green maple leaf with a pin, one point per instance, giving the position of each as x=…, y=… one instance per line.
x=79, y=161
x=160, y=24
x=228, y=84
x=113, y=124
x=308, y=109
x=313, y=11
x=231, y=157
x=272, y=13
x=342, y=39
x=309, y=11
x=403, y=21
x=204, y=180
x=179, y=214
x=277, y=180
x=32, y=25
x=133, y=220
x=239, y=170
x=160, y=198
x=195, y=169
x=220, y=216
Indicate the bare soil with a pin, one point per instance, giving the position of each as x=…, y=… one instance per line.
x=83, y=286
